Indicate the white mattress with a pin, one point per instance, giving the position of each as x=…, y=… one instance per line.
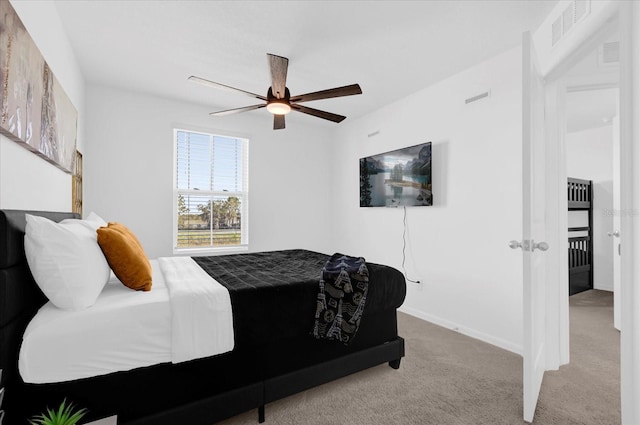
x=123, y=330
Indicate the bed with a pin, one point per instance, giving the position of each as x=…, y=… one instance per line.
x=580, y=198
x=259, y=370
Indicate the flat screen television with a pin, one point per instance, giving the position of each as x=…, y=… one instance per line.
x=397, y=178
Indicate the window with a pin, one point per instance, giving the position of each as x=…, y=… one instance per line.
x=211, y=191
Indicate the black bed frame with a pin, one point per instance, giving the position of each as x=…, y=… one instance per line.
x=202, y=391
x=580, y=197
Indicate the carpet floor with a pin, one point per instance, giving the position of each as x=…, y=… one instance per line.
x=448, y=378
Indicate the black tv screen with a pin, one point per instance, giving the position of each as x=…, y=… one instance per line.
x=397, y=178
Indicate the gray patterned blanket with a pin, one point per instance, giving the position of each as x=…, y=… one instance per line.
x=341, y=298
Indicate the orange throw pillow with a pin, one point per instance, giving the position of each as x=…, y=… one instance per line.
x=125, y=256
x=124, y=229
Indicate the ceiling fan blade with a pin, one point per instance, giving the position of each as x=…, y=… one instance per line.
x=326, y=94
x=236, y=110
x=223, y=87
x=278, y=66
x=278, y=122
x=317, y=113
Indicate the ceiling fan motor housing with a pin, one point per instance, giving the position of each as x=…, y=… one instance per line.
x=278, y=106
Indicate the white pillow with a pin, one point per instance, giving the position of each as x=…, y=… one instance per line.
x=92, y=222
x=95, y=218
x=66, y=261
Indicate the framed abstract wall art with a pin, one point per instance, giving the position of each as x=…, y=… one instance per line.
x=34, y=109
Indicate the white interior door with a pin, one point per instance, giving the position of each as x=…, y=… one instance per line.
x=534, y=227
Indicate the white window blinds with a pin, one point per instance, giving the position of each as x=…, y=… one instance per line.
x=211, y=191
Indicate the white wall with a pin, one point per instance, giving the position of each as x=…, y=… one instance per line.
x=458, y=248
x=589, y=157
x=129, y=161
x=26, y=180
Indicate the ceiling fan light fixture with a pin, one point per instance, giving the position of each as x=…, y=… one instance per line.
x=278, y=108
x=281, y=103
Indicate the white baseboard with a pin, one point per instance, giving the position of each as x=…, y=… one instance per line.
x=498, y=342
x=601, y=287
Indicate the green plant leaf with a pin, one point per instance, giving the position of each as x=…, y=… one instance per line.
x=64, y=415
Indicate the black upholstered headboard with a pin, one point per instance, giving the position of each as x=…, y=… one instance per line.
x=20, y=297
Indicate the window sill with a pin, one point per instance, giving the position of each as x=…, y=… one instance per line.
x=210, y=251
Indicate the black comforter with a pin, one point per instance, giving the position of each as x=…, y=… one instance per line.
x=273, y=294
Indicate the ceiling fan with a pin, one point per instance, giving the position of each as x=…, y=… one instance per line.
x=278, y=99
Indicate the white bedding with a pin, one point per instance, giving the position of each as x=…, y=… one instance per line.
x=202, y=322
x=127, y=329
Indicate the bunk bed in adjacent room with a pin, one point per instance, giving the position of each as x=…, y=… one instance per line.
x=580, y=197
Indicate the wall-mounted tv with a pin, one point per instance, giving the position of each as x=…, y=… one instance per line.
x=397, y=178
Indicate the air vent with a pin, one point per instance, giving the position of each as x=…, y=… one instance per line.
x=610, y=53
x=477, y=97
x=556, y=31
x=581, y=9
x=575, y=12
x=568, y=18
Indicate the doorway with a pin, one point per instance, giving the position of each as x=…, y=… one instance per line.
x=583, y=99
x=591, y=110
x=592, y=141
x=557, y=65
x=555, y=62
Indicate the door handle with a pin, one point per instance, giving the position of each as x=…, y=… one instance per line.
x=542, y=246
x=515, y=244
x=528, y=245
x=614, y=233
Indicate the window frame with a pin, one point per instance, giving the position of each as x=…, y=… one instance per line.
x=243, y=195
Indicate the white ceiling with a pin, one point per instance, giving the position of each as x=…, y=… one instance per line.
x=391, y=48
x=591, y=109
